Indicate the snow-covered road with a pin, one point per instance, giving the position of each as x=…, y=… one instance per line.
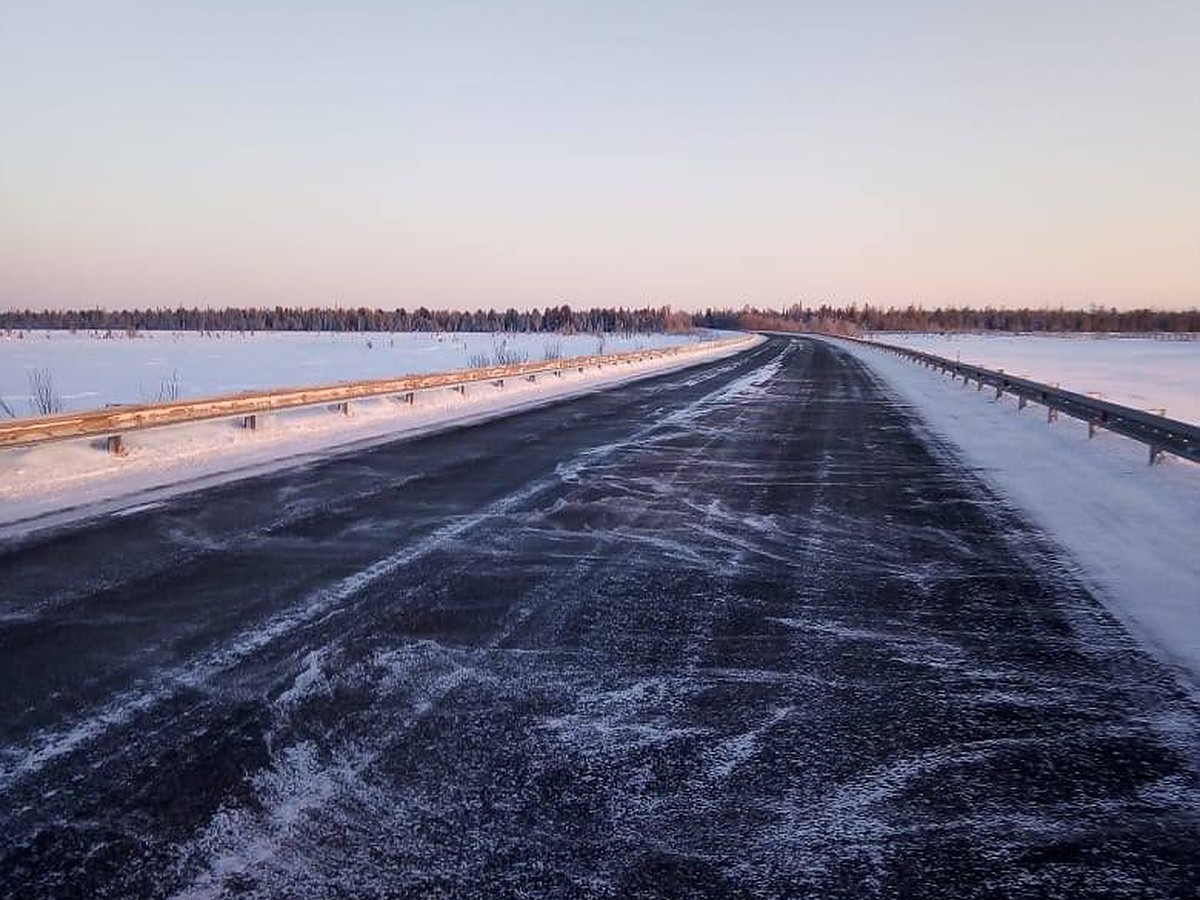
x=744, y=630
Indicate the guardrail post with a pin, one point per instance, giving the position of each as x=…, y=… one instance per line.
x=116, y=446
x=1051, y=414
x=1093, y=424
x=461, y=388
x=1155, y=453
x=250, y=423
x=1021, y=403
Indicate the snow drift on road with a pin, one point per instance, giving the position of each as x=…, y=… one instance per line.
x=1130, y=527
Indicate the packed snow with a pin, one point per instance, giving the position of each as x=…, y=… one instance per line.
x=1129, y=527
x=1156, y=374
x=89, y=370
x=49, y=484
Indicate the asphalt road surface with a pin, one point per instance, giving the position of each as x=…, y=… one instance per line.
x=743, y=630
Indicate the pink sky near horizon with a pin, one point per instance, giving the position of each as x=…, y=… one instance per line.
x=695, y=155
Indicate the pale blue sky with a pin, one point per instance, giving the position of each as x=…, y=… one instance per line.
x=496, y=154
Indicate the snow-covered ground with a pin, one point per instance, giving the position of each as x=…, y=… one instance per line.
x=1142, y=372
x=90, y=369
x=55, y=483
x=1130, y=528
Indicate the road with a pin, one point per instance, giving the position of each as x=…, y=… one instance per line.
x=742, y=630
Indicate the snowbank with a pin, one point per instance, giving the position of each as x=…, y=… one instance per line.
x=1142, y=372
x=1131, y=528
x=52, y=484
x=92, y=369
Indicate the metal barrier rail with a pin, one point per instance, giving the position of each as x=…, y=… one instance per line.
x=112, y=422
x=1160, y=434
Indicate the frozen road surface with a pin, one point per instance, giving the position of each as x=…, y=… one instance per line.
x=744, y=630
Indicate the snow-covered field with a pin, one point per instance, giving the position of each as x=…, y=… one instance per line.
x=90, y=370
x=1142, y=372
x=50, y=484
x=1129, y=528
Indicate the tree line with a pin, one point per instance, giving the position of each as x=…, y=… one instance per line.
x=853, y=319
x=562, y=319
x=856, y=319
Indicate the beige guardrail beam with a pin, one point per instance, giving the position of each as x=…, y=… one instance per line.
x=111, y=422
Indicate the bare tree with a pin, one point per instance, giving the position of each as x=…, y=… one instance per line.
x=552, y=350
x=43, y=398
x=169, y=389
x=6, y=410
x=503, y=355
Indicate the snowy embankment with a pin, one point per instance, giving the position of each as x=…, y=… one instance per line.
x=1130, y=528
x=1159, y=376
x=50, y=484
x=89, y=370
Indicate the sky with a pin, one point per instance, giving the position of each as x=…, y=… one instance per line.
x=495, y=154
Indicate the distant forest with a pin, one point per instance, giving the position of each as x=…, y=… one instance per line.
x=285, y=318
x=859, y=319
x=827, y=319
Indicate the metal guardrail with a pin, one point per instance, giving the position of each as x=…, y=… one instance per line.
x=112, y=422
x=1160, y=434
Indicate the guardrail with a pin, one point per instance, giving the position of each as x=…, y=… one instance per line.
x=1160, y=434
x=111, y=422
